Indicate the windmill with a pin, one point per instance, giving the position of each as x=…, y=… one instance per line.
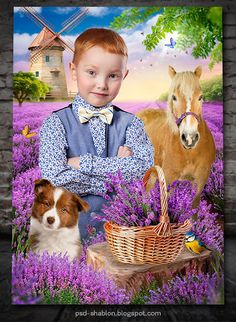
x=46, y=52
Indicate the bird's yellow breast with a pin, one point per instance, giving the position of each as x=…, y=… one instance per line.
x=194, y=247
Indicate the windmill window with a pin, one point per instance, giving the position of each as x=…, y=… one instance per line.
x=47, y=59
x=37, y=74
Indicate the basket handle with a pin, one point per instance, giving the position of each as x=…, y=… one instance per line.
x=164, y=217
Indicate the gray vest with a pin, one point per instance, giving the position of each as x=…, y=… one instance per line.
x=80, y=142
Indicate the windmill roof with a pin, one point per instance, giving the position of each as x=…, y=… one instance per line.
x=43, y=37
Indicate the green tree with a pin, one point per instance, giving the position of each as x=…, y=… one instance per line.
x=27, y=86
x=198, y=28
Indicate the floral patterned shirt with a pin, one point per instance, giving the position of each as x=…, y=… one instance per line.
x=89, y=179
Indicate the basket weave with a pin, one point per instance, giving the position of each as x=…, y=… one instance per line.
x=148, y=245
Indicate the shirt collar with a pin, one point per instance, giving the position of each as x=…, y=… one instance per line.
x=79, y=101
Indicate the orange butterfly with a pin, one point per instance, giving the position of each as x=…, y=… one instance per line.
x=26, y=132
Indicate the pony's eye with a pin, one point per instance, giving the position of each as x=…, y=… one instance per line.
x=63, y=210
x=200, y=97
x=174, y=98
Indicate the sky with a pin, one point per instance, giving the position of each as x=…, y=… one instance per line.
x=148, y=70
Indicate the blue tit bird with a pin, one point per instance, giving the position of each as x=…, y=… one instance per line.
x=193, y=243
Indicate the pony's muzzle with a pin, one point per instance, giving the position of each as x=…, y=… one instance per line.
x=190, y=140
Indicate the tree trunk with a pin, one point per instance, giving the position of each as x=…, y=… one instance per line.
x=132, y=277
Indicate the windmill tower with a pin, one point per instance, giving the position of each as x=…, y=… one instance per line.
x=46, y=53
x=49, y=66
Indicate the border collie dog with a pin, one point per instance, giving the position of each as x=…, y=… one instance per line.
x=54, y=220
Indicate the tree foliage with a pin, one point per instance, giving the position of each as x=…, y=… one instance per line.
x=27, y=86
x=212, y=90
x=199, y=29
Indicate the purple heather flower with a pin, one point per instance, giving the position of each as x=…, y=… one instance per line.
x=23, y=196
x=56, y=273
x=214, y=189
x=189, y=289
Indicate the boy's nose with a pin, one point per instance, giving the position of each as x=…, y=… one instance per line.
x=101, y=84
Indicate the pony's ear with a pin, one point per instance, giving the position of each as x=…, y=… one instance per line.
x=198, y=71
x=171, y=71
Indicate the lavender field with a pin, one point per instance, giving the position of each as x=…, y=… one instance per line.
x=53, y=279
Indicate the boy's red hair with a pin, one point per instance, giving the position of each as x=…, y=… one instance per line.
x=108, y=39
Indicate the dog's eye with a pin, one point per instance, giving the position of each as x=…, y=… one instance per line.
x=174, y=98
x=63, y=210
x=200, y=97
x=46, y=204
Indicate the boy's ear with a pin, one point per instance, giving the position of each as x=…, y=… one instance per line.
x=73, y=71
x=127, y=72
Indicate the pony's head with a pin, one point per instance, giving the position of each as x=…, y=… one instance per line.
x=185, y=105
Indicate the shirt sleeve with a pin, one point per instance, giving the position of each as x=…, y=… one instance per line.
x=132, y=167
x=53, y=160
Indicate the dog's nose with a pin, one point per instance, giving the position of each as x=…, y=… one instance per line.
x=50, y=220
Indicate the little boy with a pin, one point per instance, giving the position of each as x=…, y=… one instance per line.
x=80, y=143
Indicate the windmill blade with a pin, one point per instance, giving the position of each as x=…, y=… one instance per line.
x=37, y=18
x=49, y=24
x=77, y=17
x=27, y=14
x=70, y=18
x=75, y=23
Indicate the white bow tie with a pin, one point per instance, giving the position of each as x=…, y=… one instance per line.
x=105, y=114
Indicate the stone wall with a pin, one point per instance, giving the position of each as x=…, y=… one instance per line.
x=6, y=59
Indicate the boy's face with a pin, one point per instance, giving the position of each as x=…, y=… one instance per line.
x=99, y=75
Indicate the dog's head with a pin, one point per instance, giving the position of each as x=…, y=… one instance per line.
x=56, y=207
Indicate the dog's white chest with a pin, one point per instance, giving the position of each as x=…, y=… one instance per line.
x=60, y=241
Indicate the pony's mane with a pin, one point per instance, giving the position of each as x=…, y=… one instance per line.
x=186, y=83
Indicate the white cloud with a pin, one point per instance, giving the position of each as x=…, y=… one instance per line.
x=98, y=11
x=21, y=10
x=64, y=10
x=21, y=43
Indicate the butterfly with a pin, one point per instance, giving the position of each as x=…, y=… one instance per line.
x=172, y=43
x=26, y=132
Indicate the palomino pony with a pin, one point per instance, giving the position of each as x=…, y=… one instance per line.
x=183, y=144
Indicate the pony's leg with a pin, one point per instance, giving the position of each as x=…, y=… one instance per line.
x=200, y=182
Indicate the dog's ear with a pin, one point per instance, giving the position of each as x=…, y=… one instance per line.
x=150, y=178
x=39, y=185
x=82, y=205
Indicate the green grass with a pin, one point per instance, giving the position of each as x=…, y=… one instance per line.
x=64, y=297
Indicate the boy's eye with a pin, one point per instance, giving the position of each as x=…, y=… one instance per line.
x=114, y=76
x=91, y=72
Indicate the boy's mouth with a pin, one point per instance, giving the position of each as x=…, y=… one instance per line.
x=100, y=94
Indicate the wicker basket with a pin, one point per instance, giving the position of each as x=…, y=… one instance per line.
x=151, y=244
